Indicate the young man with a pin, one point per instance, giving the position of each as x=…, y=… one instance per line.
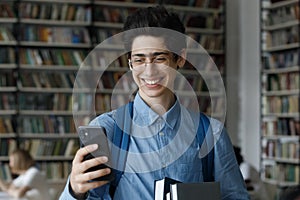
x=163, y=133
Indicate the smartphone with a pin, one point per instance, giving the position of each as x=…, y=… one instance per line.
x=96, y=135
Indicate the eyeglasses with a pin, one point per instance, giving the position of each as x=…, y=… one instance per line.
x=138, y=62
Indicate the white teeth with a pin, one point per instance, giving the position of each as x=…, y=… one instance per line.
x=151, y=82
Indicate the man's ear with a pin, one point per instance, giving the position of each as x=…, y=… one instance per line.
x=181, y=58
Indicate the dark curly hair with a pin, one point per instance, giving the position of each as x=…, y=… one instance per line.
x=143, y=20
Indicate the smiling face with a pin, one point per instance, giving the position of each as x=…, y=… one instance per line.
x=154, y=68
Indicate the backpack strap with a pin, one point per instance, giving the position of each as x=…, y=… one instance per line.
x=121, y=139
x=206, y=140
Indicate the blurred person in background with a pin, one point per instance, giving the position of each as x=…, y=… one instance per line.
x=30, y=182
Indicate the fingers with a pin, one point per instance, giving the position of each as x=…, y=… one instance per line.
x=79, y=178
x=81, y=184
x=83, y=152
x=94, y=174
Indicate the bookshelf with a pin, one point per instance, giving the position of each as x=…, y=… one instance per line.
x=280, y=67
x=50, y=40
x=8, y=89
x=54, y=38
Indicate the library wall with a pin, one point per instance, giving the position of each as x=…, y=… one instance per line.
x=233, y=70
x=242, y=79
x=41, y=52
x=250, y=84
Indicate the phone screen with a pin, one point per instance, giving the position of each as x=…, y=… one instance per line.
x=96, y=135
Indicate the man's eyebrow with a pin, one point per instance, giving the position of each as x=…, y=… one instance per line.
x=152, y=54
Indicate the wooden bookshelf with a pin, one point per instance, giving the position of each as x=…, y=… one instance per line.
x=8, y=88
x=52, y=39
x=280, y=69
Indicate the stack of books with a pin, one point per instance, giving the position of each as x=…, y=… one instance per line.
x=170, y=189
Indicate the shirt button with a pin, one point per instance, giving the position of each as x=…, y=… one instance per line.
x=161, y=133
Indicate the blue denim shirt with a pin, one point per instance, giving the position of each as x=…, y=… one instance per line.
x=156, y=152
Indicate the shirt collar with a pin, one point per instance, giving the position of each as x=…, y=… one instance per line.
x=144, y=115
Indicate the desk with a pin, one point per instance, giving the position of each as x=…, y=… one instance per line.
x=5, y=196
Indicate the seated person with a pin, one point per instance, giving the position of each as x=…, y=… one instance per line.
x=30, y=181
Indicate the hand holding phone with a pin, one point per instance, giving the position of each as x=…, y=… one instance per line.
x=96, y=135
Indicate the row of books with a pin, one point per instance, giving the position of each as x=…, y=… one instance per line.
x=5, y=173
x=193, y=3
x=7, y=79
x=7, y=55
x=281, y=126
x=204, y=104
x=282, y=14
x=7, y=125
x=284, y=81
x=103, y=102
x=7, y=101
x=6, y=10
x=7, y=145
x=195, y=83
x=205, y=21
x=50, y=147
x=283, y=59
x=6, y=34
x=280, y=104
x=107, y=102
x=281, y=37
x=283, y=148
x=52, y=34
x=46, y=124
x=52, y=101
x=205, y=62
x=209, y=42
x=118, y=15
x=111, y=14
x=282, y=173
x=51, y=57
x=102, y=34
x=46, y=80
x=103, y=58
x=56, y=170
x=116, y=80
x=199, y=3
x=100, y=102
x=55, y=11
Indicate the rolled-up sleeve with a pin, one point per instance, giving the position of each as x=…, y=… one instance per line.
x=66, y=195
